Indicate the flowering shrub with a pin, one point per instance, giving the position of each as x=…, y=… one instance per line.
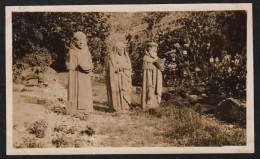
x=193, y=45
x=228, y=78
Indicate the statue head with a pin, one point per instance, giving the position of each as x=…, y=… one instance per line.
x=79, y=40
x=151, y=49
x=119, y=49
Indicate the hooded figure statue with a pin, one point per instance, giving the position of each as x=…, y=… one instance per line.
x=118, y=78
x=79, y=63
x=152, y=77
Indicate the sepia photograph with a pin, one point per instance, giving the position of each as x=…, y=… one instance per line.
x=126, y=79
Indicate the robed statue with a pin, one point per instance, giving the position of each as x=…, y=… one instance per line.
x=118, y=78
x=152, y=77
x=79, y=63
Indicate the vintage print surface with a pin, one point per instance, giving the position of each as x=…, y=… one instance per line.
x=130, y=79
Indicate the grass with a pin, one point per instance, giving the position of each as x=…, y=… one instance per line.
x=169, y=126
x=184, y=127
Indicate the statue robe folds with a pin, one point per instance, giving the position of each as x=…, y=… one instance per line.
x=80, y=89
x=152, y=84
x=118, y=78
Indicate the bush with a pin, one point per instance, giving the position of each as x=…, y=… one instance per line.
x=228, y=79
x=36, y=57
x=54, y=30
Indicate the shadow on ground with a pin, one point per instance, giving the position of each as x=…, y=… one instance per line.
x=101, y=106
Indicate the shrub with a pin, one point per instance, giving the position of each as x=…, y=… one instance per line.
x=54, y=30
x=228, y=79
x=36, y=57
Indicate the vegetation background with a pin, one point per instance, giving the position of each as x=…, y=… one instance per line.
x=43, y=39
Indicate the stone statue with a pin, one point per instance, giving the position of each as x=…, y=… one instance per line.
x=152, y=77
x=79, y=64
x=118, y=78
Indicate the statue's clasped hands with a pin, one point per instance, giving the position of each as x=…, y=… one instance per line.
x=70, y=66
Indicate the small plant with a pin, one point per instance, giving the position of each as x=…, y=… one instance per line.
x=88, y=130
x=38, y=128
x=65, y=129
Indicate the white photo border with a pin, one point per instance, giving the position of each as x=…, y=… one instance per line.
x=249, y=148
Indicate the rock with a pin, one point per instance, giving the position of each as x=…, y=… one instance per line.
x=213, y=99
x=80, y=143
x=193, y=99
x=32, y=76
x=18, y=87
x=204, y=95
x=67, y=142
x=32, y=82
x=171, y=90
x=231, y=110
x=205, y=108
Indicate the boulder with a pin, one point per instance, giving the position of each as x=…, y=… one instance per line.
x=231, y=110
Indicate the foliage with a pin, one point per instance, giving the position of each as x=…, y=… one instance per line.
x=188, y=40
x=35, y=57
x=53, y=30
x=228, y=78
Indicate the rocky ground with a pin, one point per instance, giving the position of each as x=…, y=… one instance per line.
x=40, y=120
